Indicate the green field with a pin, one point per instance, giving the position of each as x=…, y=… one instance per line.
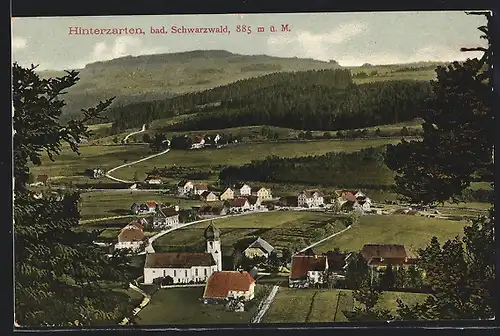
x=246, y=153
x=69, y=163
x=281, y=228
x=309, y=305
x=183, y=306
x=413, y=231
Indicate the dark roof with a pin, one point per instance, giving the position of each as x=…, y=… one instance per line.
x=261, y=243
x=336, y=260
x=252, y=199
x=167, y=212
x=240, y=185
x=301, y=264
x=220, y=283
x=206, y=193
x=255, y=189
x=310, y=192
x=201, y=186
x=385, y=251
x=182, y=183
x=153, y=177
x=178, y=260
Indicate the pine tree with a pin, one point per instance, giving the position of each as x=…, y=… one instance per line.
x=59, y=272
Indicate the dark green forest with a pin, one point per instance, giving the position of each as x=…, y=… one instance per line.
x=316, y=99
x=363, y=169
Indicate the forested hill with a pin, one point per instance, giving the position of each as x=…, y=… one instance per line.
x=160, y=76
x=218, y=98
x=310, y=100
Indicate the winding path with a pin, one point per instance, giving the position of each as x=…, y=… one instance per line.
x=266, y=304
x=132, y=163
x=136, y=132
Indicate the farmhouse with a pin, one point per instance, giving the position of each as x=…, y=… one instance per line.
x=379, y=256
x=308, y=270
x=254, y=202
x=153, y=179
x=148, y=207
x=259, y=248
x=227, y=285
x=211, y=211
x=200, y=188
x=185, y=187
x=208, y=196
x=166, y=217
x=237, y=205
x=337, y=263
x=242, y=189
x=227, y=194
x=310, y=198
x=197, y=142
x=132, y=237
x=186, y=267
x=263, y=193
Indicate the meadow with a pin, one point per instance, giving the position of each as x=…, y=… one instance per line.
x=322, y=305
x=184, y=306
x=412, y=231
x=292, y=229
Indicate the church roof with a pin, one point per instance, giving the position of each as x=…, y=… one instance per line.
x=178, y=260
x=211, y=232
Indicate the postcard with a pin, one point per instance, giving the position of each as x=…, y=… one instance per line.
x=252, y=169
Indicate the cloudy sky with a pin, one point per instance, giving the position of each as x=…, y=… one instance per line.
x=350, y=38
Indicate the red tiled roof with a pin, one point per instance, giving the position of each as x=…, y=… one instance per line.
x=42, y=178
x=151, y=204
x=131, y=234
x=178, y=260
x=301, y=264
x=238, y=202
x=220, y=283
x=349, y=197
x=412, y=212
x=137, y=224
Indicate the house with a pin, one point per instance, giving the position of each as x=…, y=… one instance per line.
x=153, y=179
x=211, y=211
x=97, y=173
x=259, y=248
x=237, y=204
x=132, y=237
x=200, y=188
x=148, y=207
x=197, y=142
x=311, y=198
x=263, y=193
x=242, y=189
x=186, y=267
x=209, y=196
x=166, y=217
x=254, y=202
x=308, y=270
x=379, y=256
x=185, y=187
x=40, y=180
x=227, y=194
x=337, y=263
x=226, y=285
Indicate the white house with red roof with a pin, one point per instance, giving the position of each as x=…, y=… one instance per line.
x=185, y=187
x=237, y=204
x=198, y=142
x=153, y=179
x=144, y=208
x=308, y=270
x=132, y=237
x=227, y=285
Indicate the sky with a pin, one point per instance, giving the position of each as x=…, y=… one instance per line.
x=349, y=38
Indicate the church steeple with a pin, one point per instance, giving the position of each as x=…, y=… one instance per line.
x=212, y=237
x=211, y=232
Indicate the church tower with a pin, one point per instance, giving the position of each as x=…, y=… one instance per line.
x=212, y=237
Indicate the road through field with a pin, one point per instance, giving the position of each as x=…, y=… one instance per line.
x=266, y=304
x=133, y=133
x=132, y=163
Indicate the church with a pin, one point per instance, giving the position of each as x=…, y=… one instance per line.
x=186, y=267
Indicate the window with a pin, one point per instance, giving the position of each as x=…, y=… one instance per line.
x=205, y=272
x=196, y=272
x=186, y=273
x=175, y=273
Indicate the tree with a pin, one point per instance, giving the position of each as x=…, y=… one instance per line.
x=357, y=271
x=327, y=135
x=59, y=272
x=340, y=135
x=388, y=279
x=146, y=138
x=368, y=296
x=286, y=255
x=308, y=135
x=458, y=135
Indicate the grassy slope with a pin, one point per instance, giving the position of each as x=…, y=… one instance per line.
x=299, y=306
x=243, y=154
x=278, y=228
x=183, y=306
x=412, y=231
